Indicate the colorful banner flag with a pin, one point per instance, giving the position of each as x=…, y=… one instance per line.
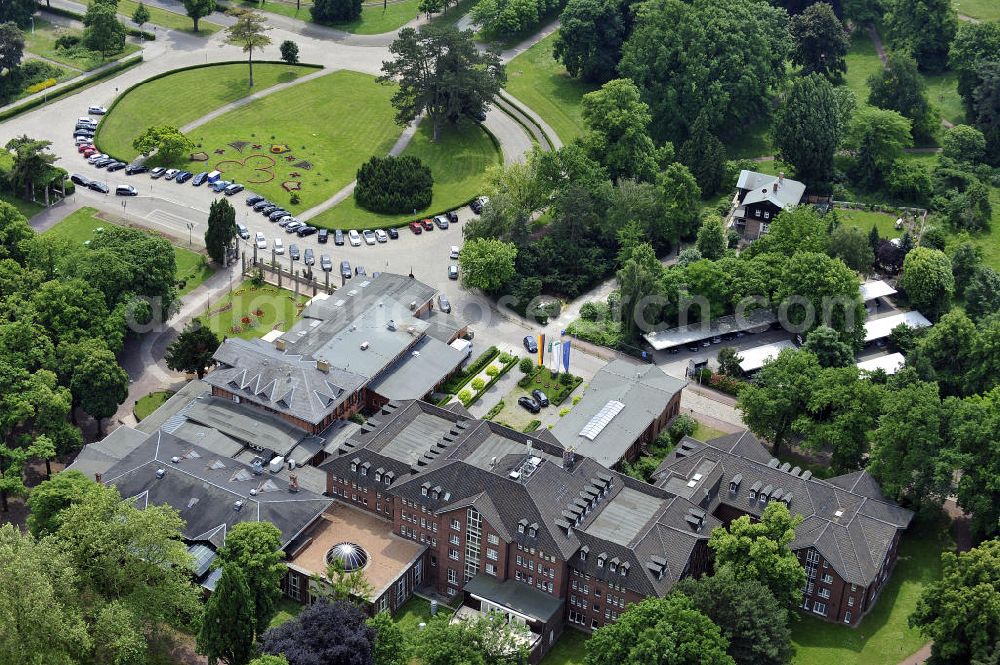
x=565, y=356
x=555, y=354
x=541, y=349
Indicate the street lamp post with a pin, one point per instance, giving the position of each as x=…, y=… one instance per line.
x=32, y=24
x=190, y=226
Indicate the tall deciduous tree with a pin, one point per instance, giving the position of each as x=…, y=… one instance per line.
x=705, y=157
x=11, y=45
x=249, y=32
x=754, y=625
x=391, y=646
x=101, y=384
x=193, y=349
x=227, y=629
x=328, y=633
x=808, y=129
x=960, y=613
x=853, y=247
x=974, y=429
x=986, y=107
x=665, y=631
x=900, y=87
x=637, y=280
x=168, y=142
x=32, y=163
x=590, y=38
x=679, y=194
x=830, y=351
x=926, y=28
x=441, y=72
x=772, y=404
x=221, y=229
x=974, y=43
x=965, y=261
x=964, y=144
x=982, y=295
x=17, y=11
x=684, y=59
x=759, y=551
x=487, y=263
x=255, y=549
x=820, y=41
x=928, y=281
x=198, y=9
x=140, y=16
x=335, y=11
x=51, y=497
x=712, y=241
x=819, y=290
x=618, y=135
x=878, y=137
x=104, y=32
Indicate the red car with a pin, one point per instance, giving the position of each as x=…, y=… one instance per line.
x=83, y=147
x=416, y=228
x=90, y=151
x=428, y=225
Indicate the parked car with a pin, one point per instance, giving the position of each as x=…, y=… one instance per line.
x=322, y=235
x=285, y=221
x=716, y=340
x=263, y=203
x=116, y=166
x=306, y=230
x=85, y=133
x=85, y=145
x=454, y=252
x=427, y=224
x=219, y=185
x=252, y=199
x=279, y=247
x=136, y=169
x=453, y=271
x=444, y=304
x=354, y=237
x=529, y=404
x=277, y=214
x=170, y=174
x=393, y=233
x=309, y=258
x=90, y=152
x=325, y=263
x=478, y=203
x=101, y=187
x=693, y=348
x=360, y=271
x=452, y=216
x=417, y=228
x=200, y=179
x=293, y=251
x=81, y=180
x=104, y=161
x=345, y=269
x=441, y=221
x=369, y=236
x=85, y=118
x=540, y=397
x=290, y=224
x=338, y=237
x=183, y=177
x=381, y=235
x=157, y=172
x=242, y=231
x=234, y=188
x=530, y=344
x=260, y=240
x=96, y=110
x=126, y=190
x=94, y=158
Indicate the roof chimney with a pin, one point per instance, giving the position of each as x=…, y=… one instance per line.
x=323, y=365
x=97, y=477
x=293, y=483
x=781, y=177
x=279, y=344
x=775, y=185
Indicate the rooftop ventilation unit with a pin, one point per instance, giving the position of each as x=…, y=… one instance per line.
x=773, y=463
x=364, y=346
x=160, y=473
x=514, y=475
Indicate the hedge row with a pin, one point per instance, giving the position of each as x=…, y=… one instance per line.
x=393, y=185
x=458, y=381
x=69, y=13
x=72, y=86
x=514, y=360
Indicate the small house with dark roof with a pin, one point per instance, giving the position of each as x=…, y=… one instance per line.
x=848, y=539
x=760, y=198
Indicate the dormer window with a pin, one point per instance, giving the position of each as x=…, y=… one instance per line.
x=612, y=566
x=354, y=467
x=387, y=478
x=532, y=532
x=583, y=555
x=378, y=476
x=364, y=469
x=624, y=570
x=435, y=494
x=423, y=491
x=753, y=495
x=600, y=560
x=520, y=528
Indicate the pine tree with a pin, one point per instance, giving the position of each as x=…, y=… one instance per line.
x=705, y=156
x=227, y=629
x=221, y=229
x=874, y=238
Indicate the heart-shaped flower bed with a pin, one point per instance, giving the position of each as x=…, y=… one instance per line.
x=251, y=170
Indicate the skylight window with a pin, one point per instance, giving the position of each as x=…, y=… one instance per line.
x=601, y=419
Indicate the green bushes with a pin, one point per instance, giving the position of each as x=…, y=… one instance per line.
x=683, y=425
x=497, y=408
x=458, y=381
x=335, y=11
x=556, y=386
x=512, y=17
x=393, y=185
x=67, y=42
x=29, y=77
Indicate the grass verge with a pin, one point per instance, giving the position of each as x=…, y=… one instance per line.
x=376, y=19
x=150, y=403
x=250, y=312
x=169, y=100
x=458, y=162
x=569, y=650
x=28, y=208
x=169, y=19
x=42, y=42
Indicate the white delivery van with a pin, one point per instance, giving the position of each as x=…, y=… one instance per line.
x=213, y=176
x=463, y=345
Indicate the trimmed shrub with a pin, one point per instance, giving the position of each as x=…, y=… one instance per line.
x=683, y=425
x=67, y=41
x=527, y=366
x=464, y=396
x=532, y=426
x=335, y=11
x=492, y=371
x=392, y=185
x=478, y=384
x=41, y=85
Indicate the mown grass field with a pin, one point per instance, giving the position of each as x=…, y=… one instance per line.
x=171, y=100
x=543, y=84
x=376, y=17
x=169, y=19
x=42, y=42
x=458, y=162
x=984, y=10
x=250, y=312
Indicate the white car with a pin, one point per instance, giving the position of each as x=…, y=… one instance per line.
x=369, y=236
x=279, y=247
x=96, y=110
x=381, y=235
x=355, y=238
x=260, y=240
x=170, y=173
x=454, y=252
x=86, y=119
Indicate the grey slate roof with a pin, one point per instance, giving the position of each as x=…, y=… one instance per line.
x=98, y=457
x=521, y=598
x=855, y=542
x=204, y=488
x=426, y=364
x=760, y=188
x=644, y=389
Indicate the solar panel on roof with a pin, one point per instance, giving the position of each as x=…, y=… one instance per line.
x=601, y=419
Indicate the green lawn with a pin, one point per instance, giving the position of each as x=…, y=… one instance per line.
x=864, y=219
x=542, y=83
x=287, y=609
x=250, y=312
x=883, y=638
x=458, y=162
x=170, y=100
x=862, y=62
x=705, y=433
x=376, y=19
x=42, y=42
x=27, y=208
x=282, y=7
x=569, y=650
x=942, y=93
x=984, y=10
x=334, y=123
x=167, y=19
x=150, y=403
x=81, y=225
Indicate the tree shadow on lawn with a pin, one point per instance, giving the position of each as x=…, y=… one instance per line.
x=882, y=638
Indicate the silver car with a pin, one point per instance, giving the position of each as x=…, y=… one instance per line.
x=369, y=237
